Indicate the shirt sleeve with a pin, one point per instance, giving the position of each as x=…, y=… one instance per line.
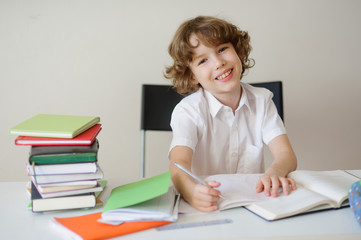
x=184, y=127
x=272, y=124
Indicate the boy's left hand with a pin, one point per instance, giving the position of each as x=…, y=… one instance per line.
x=270, y=183
x=285, y=161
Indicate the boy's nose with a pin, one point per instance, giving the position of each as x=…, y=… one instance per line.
x=219, y=62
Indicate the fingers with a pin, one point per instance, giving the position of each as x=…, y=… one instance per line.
x=271, y=184
x=259, y=186
x=204, y=205
x=264, y=184
x=285, y=185
x=214, y=184
x=275, y=182
x=205, y=198
x=293, y=183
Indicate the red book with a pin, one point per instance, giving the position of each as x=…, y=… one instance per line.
x=85, y=138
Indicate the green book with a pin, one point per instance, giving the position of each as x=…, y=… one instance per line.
x=137, y=192
x=150, y=199
x=64, y=154
x=56, y=126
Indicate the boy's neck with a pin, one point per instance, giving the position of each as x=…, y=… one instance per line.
x=231, y=99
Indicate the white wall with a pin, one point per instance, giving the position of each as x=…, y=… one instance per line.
x=91, y=57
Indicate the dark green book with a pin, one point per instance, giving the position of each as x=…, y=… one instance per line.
x=64, y=154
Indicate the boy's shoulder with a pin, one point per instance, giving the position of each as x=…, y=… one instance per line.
x=195, y=101
x=194, y=98
x=253, y=92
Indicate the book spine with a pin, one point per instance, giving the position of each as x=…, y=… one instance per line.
x=63, y=158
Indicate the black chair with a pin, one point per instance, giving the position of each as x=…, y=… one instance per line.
x=158, y=102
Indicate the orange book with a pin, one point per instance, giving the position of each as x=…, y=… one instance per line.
x=87, y=227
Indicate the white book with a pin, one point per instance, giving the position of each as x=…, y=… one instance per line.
x=316, y=190
x=63, y=178
x=68, y=186
x=237, y=189
x=97, y=188
x=71, y=168
x=39, y=204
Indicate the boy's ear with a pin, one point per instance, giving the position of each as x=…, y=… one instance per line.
x=194, y=81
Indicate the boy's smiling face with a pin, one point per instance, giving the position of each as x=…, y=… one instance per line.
x=217, y=68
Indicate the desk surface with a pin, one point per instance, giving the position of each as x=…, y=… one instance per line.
x=19, y=223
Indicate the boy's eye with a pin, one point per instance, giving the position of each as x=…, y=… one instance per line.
x=222, y=49
x=202, y=61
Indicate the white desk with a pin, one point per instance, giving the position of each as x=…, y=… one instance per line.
x=19, y=223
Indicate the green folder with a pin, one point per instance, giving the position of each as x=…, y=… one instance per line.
x=137, y=192
x=56, y=126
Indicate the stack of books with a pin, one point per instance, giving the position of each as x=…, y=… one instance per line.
x=63, y=160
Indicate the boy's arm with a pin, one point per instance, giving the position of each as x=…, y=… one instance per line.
x=199, y=196
x=284, y=162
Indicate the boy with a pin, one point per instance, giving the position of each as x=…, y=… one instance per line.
x=221, y=126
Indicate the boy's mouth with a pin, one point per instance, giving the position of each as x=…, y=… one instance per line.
x=224, y=75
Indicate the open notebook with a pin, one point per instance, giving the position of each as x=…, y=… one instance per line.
x=316, y=190
x=238, y=190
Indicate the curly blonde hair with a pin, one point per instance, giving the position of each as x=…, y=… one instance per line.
x=212, y=31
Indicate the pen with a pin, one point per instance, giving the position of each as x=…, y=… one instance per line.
x=197, y=179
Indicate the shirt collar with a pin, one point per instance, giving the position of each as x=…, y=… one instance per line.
x=215, y=105
x=244, y=101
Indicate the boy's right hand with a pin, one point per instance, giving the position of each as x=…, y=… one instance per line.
x=200, y=197
x=204, y=198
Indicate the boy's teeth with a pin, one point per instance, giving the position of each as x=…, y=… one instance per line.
x=224, y=75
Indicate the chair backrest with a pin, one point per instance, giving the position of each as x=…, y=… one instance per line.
x=158, y=102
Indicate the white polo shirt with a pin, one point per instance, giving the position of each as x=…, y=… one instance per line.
x=223, y=142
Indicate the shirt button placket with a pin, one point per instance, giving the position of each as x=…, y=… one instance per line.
x=233, y=148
